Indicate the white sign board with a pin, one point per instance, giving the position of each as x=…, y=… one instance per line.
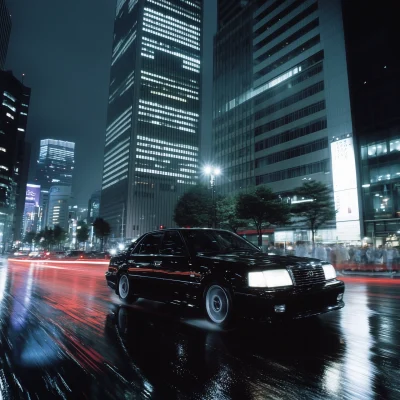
x=345, y=189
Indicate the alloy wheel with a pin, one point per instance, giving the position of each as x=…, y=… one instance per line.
x=123, y=287
x=217, y=304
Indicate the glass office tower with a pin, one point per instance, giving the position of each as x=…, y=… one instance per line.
x=152, y=136
x=282, y=111
x=56, y=163
x=54, y=168
x=14, y=157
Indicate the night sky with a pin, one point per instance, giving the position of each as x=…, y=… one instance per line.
x=64, y=49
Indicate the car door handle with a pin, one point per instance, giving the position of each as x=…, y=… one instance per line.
x=157, y=263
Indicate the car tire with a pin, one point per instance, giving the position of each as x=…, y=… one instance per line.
x=218, y=305
x=125, y=290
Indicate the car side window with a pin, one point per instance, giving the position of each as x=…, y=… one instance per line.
x=150, y=244
x=199, y=241
x=173, y=244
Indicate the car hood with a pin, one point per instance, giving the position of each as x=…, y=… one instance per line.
x=258, y=261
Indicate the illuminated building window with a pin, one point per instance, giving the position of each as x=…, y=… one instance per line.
x=123, y=87
x=169, y=96
x=116, y=152
x=125, y=44
x=9, y=96
x=117, y=174
x=120, y=4
x=7, y=104
x=167, y=5
x=112, y=165
x=172, y=52
x=131, y=5
x=254, y=92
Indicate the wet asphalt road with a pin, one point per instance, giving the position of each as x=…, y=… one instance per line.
x=64, y=334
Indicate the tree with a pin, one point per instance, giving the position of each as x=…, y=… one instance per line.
x=82, y=232
x=102, y=230
x=194, y=208
x=29, y=238
x=263, y=208
x=45, y=238
x=59, y=235
x=317, y=208
x=39, y=238
x=227, y=215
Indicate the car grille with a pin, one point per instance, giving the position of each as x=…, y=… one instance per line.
x=308, y=275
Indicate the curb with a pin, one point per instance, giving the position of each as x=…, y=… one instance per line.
x=369, y=274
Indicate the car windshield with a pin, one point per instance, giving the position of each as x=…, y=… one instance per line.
x=208, y=241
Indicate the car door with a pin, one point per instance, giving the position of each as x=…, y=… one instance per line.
x=173, y=268
x=141, y=265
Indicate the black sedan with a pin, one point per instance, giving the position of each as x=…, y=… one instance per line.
x=225, y=275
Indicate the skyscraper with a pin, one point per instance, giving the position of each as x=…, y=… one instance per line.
x=93, y=206
x=375, y=86
x=31, y=209
x=55, y=167
x=56, y=163
x=14, y=106
x=5, y=31
x=228, y=9
x=281, y=103
x=152, y=138
x=58, y=206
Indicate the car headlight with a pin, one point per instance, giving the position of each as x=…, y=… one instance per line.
x=329, y=271
x=270, y=279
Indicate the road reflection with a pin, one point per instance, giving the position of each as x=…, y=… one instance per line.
x=176, y=356
x=358, y=369
x=64, y=334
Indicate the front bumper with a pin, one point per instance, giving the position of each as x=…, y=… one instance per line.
x=293, y=303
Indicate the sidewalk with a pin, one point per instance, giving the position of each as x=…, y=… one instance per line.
x=369, y=274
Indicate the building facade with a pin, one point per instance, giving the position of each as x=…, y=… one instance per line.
x=375, y=87
x=5, y=31
x=58, y=207
x=290, y=120
x=31, y=209
x=228, y=9
x=94, y=207
x=55, y=167
x=14, y=106
x=152, y=138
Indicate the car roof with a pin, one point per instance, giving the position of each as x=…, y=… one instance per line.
x=188, y=229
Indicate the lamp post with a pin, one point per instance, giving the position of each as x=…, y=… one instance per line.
x=213, y=172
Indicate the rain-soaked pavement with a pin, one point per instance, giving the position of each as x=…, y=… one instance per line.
x=64, y=334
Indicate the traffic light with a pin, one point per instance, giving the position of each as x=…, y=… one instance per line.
x=162, y=226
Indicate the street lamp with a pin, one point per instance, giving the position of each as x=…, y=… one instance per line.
x=213, y=172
